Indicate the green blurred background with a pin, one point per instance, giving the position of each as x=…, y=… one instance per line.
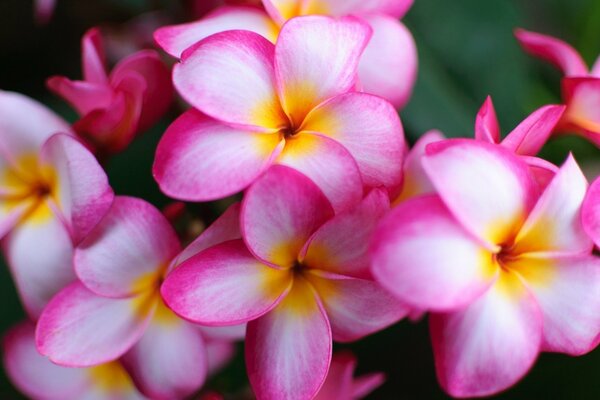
x=466, y=50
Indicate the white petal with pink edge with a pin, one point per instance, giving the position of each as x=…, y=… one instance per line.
x=328, y=164
x=425, y=257
x=347, y=253
x=230, y=77
x=79, y=328
x=391, y=49
x=279, y=214
x=34, y=374
x=175, y=39
x=460, y=169
x=491, y=344
x=369, y=128
x=355, y=307
x=316, y=58
x=590, y=212
x=128, y=251
x=288, y=350
x=231, y=158
x=224, y=285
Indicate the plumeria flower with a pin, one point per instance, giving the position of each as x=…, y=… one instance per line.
x=288, y=104
x=580, y=86
x=40, y=379
x=507, y=272
x=388, y=67
x=590, y=212
x=116, y=309
x=300, y=276
x=115, y=107
x=52, y=193
x=526, y=140
x=341, y=384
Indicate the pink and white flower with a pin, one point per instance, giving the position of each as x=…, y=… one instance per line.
x=341, y=384
x=52, y=193
x=388, y=67
x=40, y=379
x=580, y=86
x=115, y=310
x=506, y=272
x=299, y=276
x=260, y=104
x=116, y=107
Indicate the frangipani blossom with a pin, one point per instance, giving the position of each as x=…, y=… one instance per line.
x=116, y=310
x=290, y=104
x=341, y=384
x=52, y=193
x=116, y=107
x=388, y=67
x=525, y=140
x=507, y=272
x=300, y=277
x=580, y=86
x=40, y=379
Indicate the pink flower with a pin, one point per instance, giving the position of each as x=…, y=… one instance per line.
x=507, y=272
x=299, y=275
x=52, y=193
x=590, y=213
x=341, y=384
x=388, y=67
x=40, y=379
x=116, y=309
x=288, y=104
x=580, y=87
x=116, y=107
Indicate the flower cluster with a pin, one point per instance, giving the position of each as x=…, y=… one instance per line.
x=340, y=230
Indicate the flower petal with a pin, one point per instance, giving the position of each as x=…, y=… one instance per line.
x=559, y=53
x=39, y=252
x=224, y=285
x=364, y=385
x=230, y=77
x=11, y=212
x=338, y=384
x=34, y=374
x=288, y=350
x=369, y=128
x=84, y=195
x=128, y=251
x=460, y=168
x=590, y=212
x=175, y=39
x=424, y=256
x=225, y=228
x=392, y=49
x=583, y=96
x=554, y=225
x=219, y=354
x=567, y=290
x=169, y=361
x=355, y=307
x=487, y=127
x=327, y=163
x=393, y=8
x=26, y=124
x=279, y=214
x=316, y=57
x=231, y=158
x=347, y=253
x=531, y=135
x=79, y=328
x=83, y=96
x=415, y=180
x=491, y=344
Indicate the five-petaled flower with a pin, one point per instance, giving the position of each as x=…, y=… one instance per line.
x=300, y=276
x=580, y=86
x=505, y=271
x=291, y=103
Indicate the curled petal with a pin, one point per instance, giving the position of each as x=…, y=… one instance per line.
x=583, y=96
x=83, y=96
x=487, y=127
x=531, y=135
x=590, y=212
x=288, y=350
x=231, y=158
x=470, y=345
x=559, y=53
x=93, y=58
x=279, y=214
